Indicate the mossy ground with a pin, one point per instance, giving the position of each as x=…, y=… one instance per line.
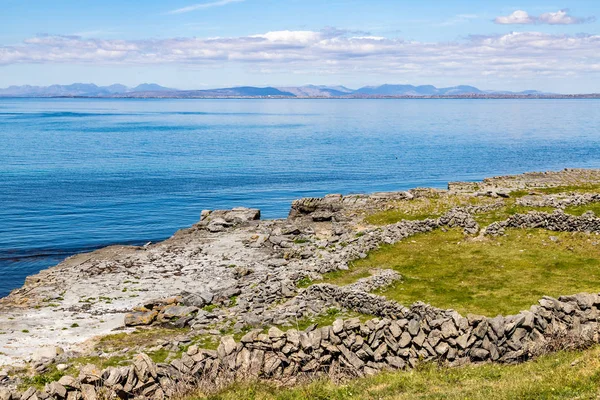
x=563, y=375
x=487, y=275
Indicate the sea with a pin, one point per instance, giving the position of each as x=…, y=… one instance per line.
x=80, y=174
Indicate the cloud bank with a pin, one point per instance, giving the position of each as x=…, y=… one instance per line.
x=330, y=51
x=560, y=17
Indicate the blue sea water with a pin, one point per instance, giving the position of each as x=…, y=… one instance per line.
x=78, y=174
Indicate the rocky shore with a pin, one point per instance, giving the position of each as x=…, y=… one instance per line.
x=234, y=273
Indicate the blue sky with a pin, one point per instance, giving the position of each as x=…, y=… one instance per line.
x=550, y=46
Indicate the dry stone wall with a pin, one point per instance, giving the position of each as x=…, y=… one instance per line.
x=557, y=221
x=560, y=201
x=402, y=339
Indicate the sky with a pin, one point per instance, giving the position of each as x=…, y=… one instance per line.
x=552, y=46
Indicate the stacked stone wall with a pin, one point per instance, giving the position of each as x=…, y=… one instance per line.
x=403, y=338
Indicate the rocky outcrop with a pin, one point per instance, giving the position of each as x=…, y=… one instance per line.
x=329, y=207
x=219, y=220
x=529, y=180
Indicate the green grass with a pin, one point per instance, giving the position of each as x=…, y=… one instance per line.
x=563, y=375
x=487, y=276
x=325, y=319
x=583, y=188
x=53, y=374
x=147, y=337
x=502, y=214
x=423, y=208
x=578, y=210
x=304, y=282
x=40, y=380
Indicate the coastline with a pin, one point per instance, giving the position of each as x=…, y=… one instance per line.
x=226, y=254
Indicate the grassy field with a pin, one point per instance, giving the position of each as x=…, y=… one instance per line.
x=582, y=188
x=564, y=375
x=502, y=214
x=436, y=206
x=423, y=208
x=578, y=210
x=487, y=276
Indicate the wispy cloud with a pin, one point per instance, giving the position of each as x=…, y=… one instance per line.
x=560, y=17
x=459, y=19
x=518, y=55
x=202, y=6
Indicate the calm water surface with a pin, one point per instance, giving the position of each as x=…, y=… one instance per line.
x=79, y=174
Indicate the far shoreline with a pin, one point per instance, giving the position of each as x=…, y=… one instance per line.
x=594, y=96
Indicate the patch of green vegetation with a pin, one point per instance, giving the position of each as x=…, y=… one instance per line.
x=346, y=277
x=40, y=380
x=25, y=330
x=423, y=208
x=159, y=356
x=233, y=301
x=53, y=374
x=301, y=241
x=75, y=325
x=209, y=342
x=304, y=282
x=582, y=188
x=210, y=307
x=579, y=210
x=502, y=214
x=102, y=362
x=148, y=337
x=325, y=319
x=488, y=275
x=563, y=375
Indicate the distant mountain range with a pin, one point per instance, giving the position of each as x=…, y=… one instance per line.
x=152, y=90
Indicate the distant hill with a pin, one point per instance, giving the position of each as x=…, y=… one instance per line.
x=153, y=90
x=78, y=89
x=318, y=91
x=150, y=87
x=410, y=90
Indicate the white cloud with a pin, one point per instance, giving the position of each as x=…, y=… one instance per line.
x=517, y=17
x=560, y=17
x=202, y=6
x=290, y=36
x=514, y=55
